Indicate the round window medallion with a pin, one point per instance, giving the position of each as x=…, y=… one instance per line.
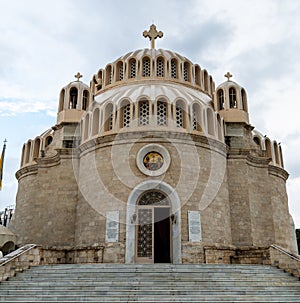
x=153, y=160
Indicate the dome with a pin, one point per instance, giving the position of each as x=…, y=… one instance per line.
x=152, y=65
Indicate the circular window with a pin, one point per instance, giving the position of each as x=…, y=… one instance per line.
x=153, y=160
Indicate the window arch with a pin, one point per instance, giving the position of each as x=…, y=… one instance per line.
x=86, y=127
x=73, y=98
x=125, y=114
x=180, y=114
x=28, y=150
x=174, y=69
x=196, y=117
x=85, y=99
x=108, y=117
x=108, y=75
x=144, y=112
x=36, y=149
x=221, y=99
x=198, y=75
x=244, y=100
x=96, y=122
x=257, y=141
x=132, y=68
x=23, y=155
x=232, y=98
x=120, y=71
x=268, y=148
x=280, y=155
x=61, y=100
x=186, y=71
x=205, y=76
x=99, y=80
x=162, y=110
x=276, y=153
x=210, y=122
x=146, y=67
x=160, y=67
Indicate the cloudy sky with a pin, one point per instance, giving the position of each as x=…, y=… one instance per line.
x=43, y=44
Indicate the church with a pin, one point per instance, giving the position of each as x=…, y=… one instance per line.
x=151, y=162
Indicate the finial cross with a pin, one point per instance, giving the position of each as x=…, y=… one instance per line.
x=152, y=34
x=228, y=76
x=78, y=76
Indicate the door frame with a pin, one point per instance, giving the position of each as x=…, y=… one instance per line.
x=175, y=209
x=153, y=207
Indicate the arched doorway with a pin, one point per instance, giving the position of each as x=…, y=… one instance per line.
x=174, y=212
x=153, y=232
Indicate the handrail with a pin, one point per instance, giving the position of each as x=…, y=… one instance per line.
x=15, y=254
x=284, y=251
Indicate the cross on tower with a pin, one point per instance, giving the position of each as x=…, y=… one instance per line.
x=228, y=76
x=78, y=76
x=152, y=34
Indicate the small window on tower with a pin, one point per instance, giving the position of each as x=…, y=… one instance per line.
x=73, y=98
x=232, y=98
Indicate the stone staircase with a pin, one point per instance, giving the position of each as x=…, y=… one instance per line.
x=151, y=283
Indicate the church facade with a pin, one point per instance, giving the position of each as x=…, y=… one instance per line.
x=152, y=163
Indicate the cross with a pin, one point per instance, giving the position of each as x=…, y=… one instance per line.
x=228, y=76
x=78, y=76
x=152, y=34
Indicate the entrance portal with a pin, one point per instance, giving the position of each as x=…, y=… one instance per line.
x=153, y=240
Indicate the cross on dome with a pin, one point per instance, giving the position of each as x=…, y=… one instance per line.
x=228, y=76
x=152, y=34
x=78, y=76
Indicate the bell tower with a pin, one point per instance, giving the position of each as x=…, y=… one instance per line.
x=230, y=100
x=74, y=100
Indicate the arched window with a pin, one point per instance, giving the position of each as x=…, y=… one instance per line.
x=244, y=100
x=232, y=98
x=276, y=153
x=257, y=141
x=144, y=112
x=211, y=85
x=160, y=72
x=86, y=127
x=120, y=71
x=205, y=76
x=146, y=67
x=73, y=98
x=99, y=80
x=108, y=75
x=23, y=155
x=161, y=113
x=108, y=117
x=268, y=148
x=96, y=122
x=48, y=141
x=36, y=149
x=174, y=69
x=198, y=75
x=281, y=157
x=132, y=68
x=28, y=150
x=180, y=114
x=220, y=99
x=186, y=71
x=125, y=114
x=210, y=122
x=61, y=100
x=196, y=117
x=85, y=99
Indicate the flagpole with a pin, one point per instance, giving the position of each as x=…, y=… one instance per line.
x=2, y=163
